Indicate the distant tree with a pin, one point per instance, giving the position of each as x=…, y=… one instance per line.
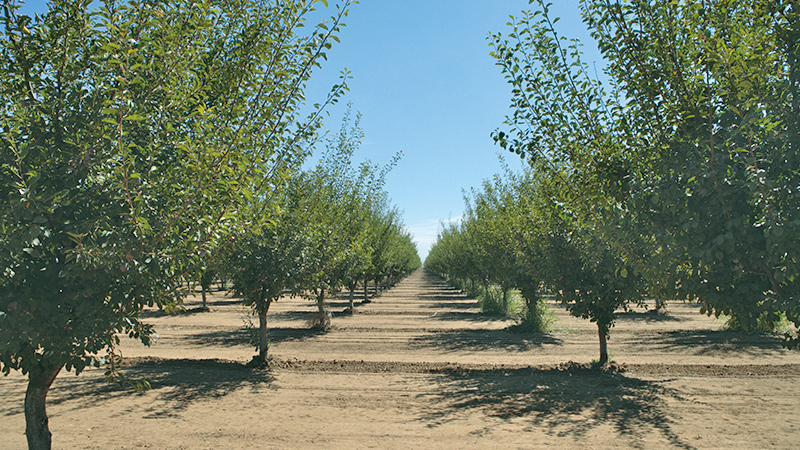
x=130, y=135
x=499, y=241
x=334, y=201
x=207, y=277
x=210, y=265
x=544, y=244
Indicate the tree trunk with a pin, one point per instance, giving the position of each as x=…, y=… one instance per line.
x=602, y=334
x=505, y=300
x=203, y=294
x=36, y=423
x=324, y=316
x=661, y=306
x=321, y=301
x=263, y=340
x=366, y=293
x=352, y=294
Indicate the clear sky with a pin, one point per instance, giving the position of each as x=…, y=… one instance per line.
x=426, y=85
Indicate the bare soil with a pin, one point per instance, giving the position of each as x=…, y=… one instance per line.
x=421, y=367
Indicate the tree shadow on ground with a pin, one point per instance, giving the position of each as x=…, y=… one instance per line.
x=12, y=395
x=564, y=402
x=156, y=313
x=467, y=304
x=483, y=340
x=175, y=384
x=227, y=301
x=711, y=342
x=473, y=316
x=341, y=303
x=189, y=310
x=651, y=316
x=240, y=336
x=291, y=315
x=445, y=295
x=304, y=311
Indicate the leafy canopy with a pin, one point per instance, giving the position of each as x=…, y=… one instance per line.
x=131, y=132
x=684, y=156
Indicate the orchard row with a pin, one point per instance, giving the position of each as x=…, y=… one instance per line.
x=330, y=227
x=671, y=170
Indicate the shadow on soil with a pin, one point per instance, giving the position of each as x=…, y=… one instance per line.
x=648, y=317
x=443, y=294
x=471, y=316
x=710, y=342
x=176, y=384
x=481, y=340
x=291, y=315
x=241, y=337
x=572, y=401
x=187, y=310
x=464, y=304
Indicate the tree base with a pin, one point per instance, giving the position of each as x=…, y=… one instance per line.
x=259, y=363
x=320, y=321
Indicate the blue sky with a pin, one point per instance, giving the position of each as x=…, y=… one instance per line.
x=426, y=85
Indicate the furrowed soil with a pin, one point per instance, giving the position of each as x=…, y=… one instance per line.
x=420, y=367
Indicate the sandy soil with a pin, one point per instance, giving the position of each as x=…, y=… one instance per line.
x=420, y=367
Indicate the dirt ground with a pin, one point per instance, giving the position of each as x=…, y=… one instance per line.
x=420, y=367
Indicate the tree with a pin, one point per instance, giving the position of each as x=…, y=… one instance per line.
x=334, y=200
x=130, y=135
x=499, y=241
x=529, y=215
x=261, y=264
x=566, y=254
x=311, y=235
x=544, y=244
x=587, y=276
x=210, y=267
x=687, y=167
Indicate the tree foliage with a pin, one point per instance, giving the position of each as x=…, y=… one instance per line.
x=684, y=155
x=318, y=233
x=519, y=233
x=341, y=204
x=131, y=133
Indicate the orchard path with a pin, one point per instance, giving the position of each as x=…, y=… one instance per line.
x=421, y=367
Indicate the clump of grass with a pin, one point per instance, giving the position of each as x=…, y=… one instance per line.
x=491, y=301
x=765, y=323
x=320, y=320
x=531, y=317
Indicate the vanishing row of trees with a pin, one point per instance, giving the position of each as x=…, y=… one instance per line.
x=517, y=233
x=679, y=166
x=328, y=228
